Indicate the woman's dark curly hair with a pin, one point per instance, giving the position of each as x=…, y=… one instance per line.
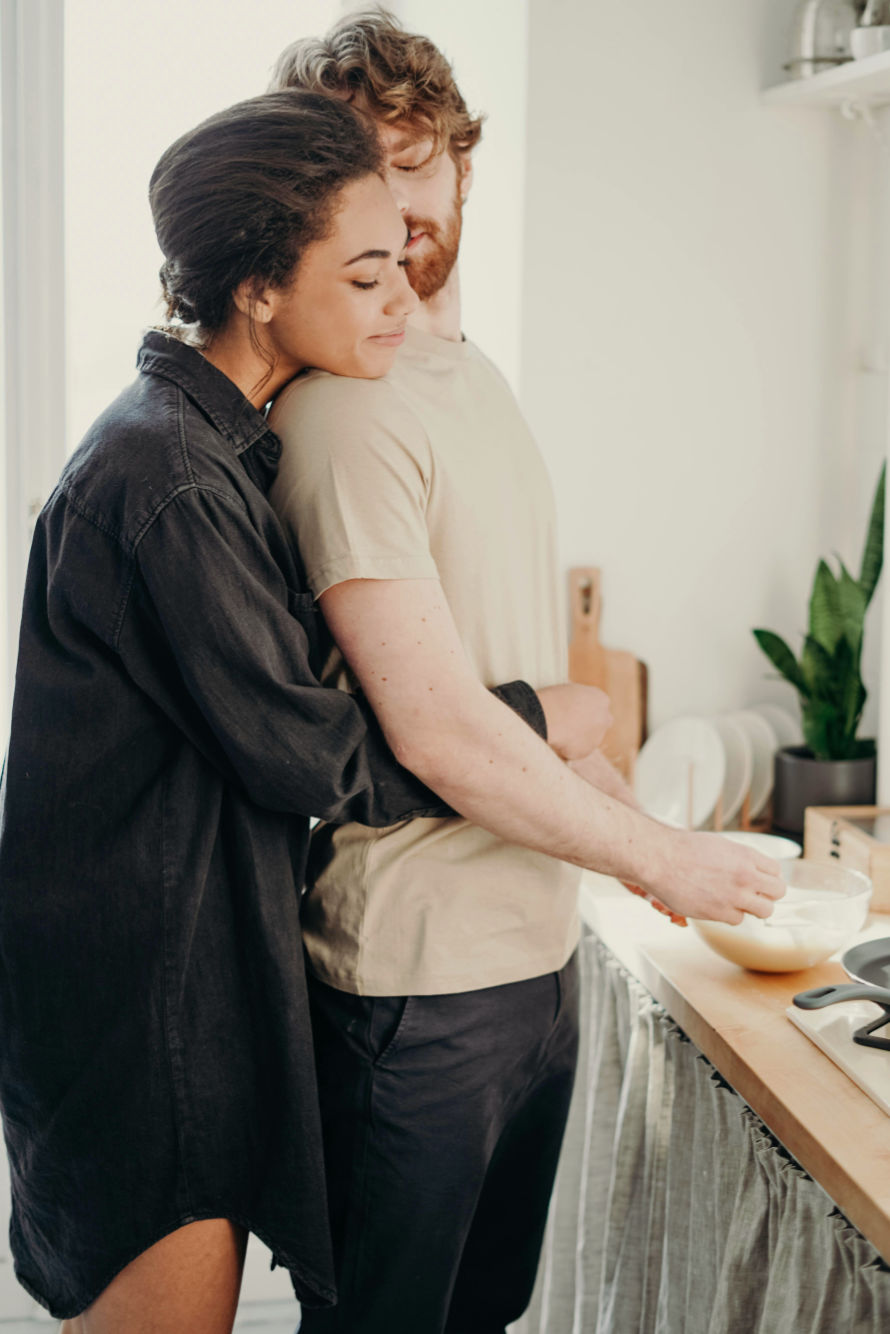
x=242, y=195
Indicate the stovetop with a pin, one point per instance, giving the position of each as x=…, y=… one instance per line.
x=832, y=1031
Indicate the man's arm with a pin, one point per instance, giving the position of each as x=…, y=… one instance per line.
x=444, y=726
x=228, y=663
x=601, y=773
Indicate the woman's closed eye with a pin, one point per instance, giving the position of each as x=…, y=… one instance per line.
x=375, y=282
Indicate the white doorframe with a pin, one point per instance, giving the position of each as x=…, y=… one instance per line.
x=31, y=51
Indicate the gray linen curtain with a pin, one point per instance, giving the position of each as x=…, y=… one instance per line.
x=676, y=1211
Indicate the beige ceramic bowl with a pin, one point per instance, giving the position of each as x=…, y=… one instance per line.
x=822, y=910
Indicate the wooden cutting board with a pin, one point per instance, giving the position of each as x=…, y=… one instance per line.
x=619, y=673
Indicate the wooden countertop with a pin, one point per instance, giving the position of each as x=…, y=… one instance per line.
x=837, y=1134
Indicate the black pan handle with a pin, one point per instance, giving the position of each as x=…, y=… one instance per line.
x=845, y=991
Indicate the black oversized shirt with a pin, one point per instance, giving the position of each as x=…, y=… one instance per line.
x=168, y=742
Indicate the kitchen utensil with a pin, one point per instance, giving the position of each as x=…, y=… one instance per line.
x=823, y=907
x=869, y=962
x=763, y=749
x=852, y=991
x=820, y=35
x=739, y=756
x=680, y=770
x=617, y=672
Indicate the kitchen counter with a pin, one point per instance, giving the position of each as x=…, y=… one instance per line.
x=737, y=1019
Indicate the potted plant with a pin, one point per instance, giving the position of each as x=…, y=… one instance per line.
x=834, y=767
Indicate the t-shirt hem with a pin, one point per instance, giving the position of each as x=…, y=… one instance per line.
x=447, y=984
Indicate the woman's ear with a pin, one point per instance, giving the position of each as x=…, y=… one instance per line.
x=254, y=301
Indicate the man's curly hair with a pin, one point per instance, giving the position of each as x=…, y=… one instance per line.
x=368, y=59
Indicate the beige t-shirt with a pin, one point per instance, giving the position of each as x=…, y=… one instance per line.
x=430, y=472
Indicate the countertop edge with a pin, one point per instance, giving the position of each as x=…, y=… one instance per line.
x=758, y=1054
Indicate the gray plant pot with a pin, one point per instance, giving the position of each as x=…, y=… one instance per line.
x=801, y=781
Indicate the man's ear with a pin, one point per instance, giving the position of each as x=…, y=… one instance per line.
x=465, y=174
x=254, y=301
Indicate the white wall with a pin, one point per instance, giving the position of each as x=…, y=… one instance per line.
x=695, y=305
x=487, y=44
x=138, y=76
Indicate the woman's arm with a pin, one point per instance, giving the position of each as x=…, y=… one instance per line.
x=210, y=637
x=400, y=640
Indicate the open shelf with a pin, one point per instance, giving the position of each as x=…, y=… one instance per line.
x=863, y=81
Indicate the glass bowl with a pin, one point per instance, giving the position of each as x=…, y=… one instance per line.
x=825, y=905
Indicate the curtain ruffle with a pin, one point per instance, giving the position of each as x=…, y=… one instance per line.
x=675, y=1210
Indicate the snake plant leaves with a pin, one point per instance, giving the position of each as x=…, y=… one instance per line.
x=852, y=604
x=873, y=555
x=781, y=657
x=855, y=696
x=828, y=677
x=817, y=668
x=825, y=609
x=816, y=724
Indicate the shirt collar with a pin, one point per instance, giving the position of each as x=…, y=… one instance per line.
x=234, y=416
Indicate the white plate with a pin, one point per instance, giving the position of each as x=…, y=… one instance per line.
x=681, y=765
x=783, y=723
x=771, y=845
x=764, y=746
x=739, y=765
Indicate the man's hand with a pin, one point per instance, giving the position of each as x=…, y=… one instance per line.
x=705, y=877
x=578, y=717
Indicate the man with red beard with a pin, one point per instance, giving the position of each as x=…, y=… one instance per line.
x=442, y=971
x=441, y=957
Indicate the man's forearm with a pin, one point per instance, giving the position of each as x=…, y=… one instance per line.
x=395, y=793
x=495, y=772
x=488, y=765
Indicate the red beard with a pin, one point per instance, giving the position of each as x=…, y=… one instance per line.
x=429, y=274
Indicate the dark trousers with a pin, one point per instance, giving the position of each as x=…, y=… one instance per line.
x=443, y=1118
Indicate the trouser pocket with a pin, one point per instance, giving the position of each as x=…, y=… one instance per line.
x=386, y=1023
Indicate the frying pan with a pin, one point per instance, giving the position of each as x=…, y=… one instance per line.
x=819, y=997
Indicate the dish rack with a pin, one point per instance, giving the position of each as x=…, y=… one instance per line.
x=759, y=825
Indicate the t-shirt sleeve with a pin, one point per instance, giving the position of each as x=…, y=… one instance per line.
x=353, y=481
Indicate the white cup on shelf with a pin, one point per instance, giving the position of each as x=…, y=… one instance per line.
x=865, y=42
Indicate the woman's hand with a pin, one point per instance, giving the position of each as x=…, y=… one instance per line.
x=578, y=717
x=655, y=903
